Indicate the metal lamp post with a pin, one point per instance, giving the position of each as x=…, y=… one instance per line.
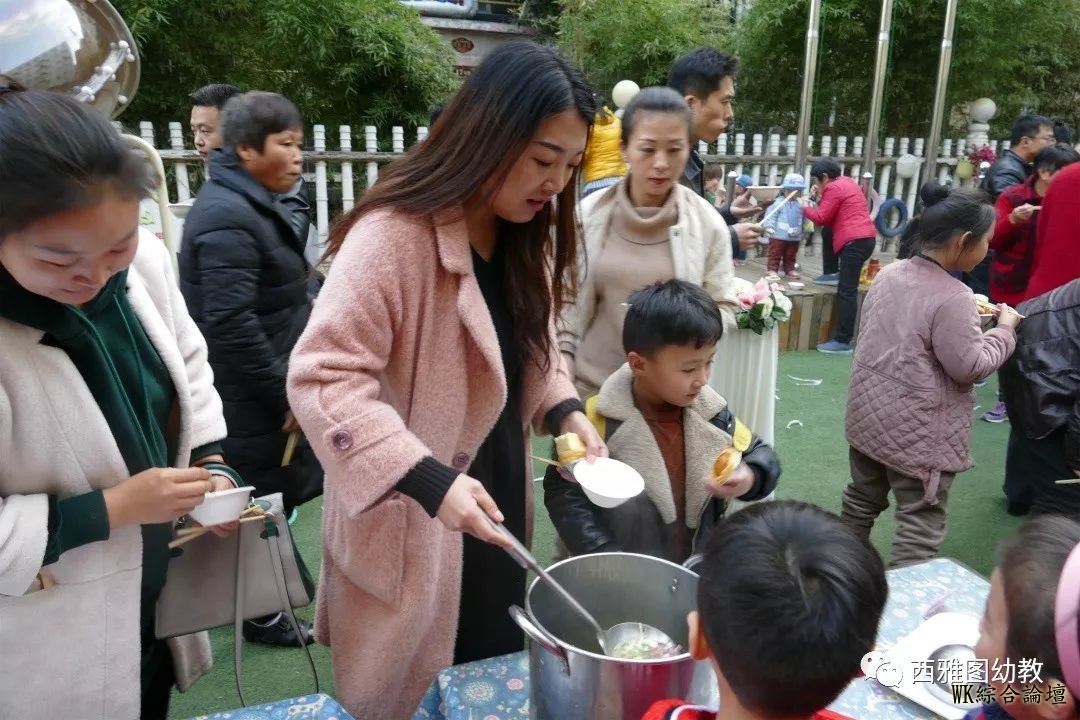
x=934, y=141
x=806, y=100
x=878, y=92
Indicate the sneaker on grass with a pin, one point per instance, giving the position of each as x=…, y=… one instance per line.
x=834, y=347
x=997, y=414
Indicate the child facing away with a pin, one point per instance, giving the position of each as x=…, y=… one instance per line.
x=785, y=228
x=1031, y=617
x=789, y=602
x=659, y=415
x=911, y=399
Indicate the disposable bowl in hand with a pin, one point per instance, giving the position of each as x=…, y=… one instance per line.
x=222, y=506
x=608, y=483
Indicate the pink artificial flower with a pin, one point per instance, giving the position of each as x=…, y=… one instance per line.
x=761, y=291
x=745, y=300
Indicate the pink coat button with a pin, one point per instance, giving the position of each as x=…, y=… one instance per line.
x=342, y=440
x=461, y=461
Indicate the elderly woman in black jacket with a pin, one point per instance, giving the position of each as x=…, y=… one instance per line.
x=245, y=280
x=1041, y=382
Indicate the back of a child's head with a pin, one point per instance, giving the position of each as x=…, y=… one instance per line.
x=671, y=312
x=826, y=167
x=790, y=600
x=946, y=214
x=1033, y=573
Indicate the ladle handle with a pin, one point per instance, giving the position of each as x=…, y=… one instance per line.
x=527, y=561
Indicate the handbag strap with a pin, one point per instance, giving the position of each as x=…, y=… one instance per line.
x=270, y=533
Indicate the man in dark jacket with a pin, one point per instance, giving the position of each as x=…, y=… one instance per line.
x=244, y=277
x=1041, y=382
x=706, y=78
x=1030, y=134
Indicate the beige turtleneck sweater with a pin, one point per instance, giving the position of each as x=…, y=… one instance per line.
x=636, y=253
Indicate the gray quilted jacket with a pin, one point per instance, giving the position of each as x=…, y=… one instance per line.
x=921, y=347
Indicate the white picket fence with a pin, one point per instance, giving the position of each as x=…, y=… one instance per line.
x=764, y=157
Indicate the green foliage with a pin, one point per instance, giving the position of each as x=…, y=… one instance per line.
x=341, y=61
x=614, y=40
x=1019, y=53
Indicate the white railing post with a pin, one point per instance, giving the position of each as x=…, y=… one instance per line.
x=946, y=152
x=371, y=144
x=176, y=139
x=322, y=214
x=884, y=170
x=774, y=149
x=421, y=134
x=856, y=171
x=348, y=194
x=755, y=172
x=740, y=147
x=841, y=152
x=898, y=186
x=397, y=135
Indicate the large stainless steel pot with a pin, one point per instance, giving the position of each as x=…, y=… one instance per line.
x=571, y=679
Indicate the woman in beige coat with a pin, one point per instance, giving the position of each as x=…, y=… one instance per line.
x=108, y=423
x=429, y=355
x=642, y=230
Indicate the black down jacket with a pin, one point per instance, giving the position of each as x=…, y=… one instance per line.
x=1041, y=380
x=244, y=277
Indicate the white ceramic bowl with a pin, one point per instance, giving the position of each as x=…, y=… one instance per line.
x=608, y=483
x=222, y=506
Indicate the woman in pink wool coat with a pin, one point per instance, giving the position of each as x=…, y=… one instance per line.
x=430, y=353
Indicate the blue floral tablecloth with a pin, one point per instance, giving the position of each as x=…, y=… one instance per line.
x=309, y=707
x=498, y=688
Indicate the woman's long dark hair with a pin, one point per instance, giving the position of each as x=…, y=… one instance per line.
x=478, y=136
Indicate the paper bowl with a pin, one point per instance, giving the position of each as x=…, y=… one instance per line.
x=608, y=483
x=796, y=285
x=764, y=193
x=222, y=506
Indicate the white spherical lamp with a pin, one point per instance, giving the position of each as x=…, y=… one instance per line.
x=907, y=166
x=982, y=110
x=623, y=92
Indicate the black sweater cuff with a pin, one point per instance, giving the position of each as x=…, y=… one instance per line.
x=427, y=483
x=555, y=416
x=725, y=212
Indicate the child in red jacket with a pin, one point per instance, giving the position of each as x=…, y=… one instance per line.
x=786, y=619
x=842, y=206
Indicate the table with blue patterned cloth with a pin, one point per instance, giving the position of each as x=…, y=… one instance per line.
x=309, y=707
x=498, y=688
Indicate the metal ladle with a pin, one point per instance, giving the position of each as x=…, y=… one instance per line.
x=609, y=639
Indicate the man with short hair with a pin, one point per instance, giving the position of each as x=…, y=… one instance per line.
x=206, y=105
x=705, y=77
x=1030, y=134
x=244, y=277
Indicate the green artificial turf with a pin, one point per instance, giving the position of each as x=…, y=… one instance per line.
x=814, y=456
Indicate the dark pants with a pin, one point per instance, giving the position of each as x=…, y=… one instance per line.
x=830, y=263
x=1031, y=469
x=783, y=254
x=157, y=676
x=852, y=258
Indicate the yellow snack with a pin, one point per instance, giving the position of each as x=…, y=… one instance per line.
x=569, y=448
x=726, y=462
x=982, y=303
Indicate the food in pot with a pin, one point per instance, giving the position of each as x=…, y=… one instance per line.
x=641, y=648
x=569, y=448
x=726, y=462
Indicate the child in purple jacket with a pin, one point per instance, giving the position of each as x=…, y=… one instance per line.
x=921, y=348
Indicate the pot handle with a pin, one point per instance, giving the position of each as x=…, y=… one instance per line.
x=692, y=561
x=534, y=633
